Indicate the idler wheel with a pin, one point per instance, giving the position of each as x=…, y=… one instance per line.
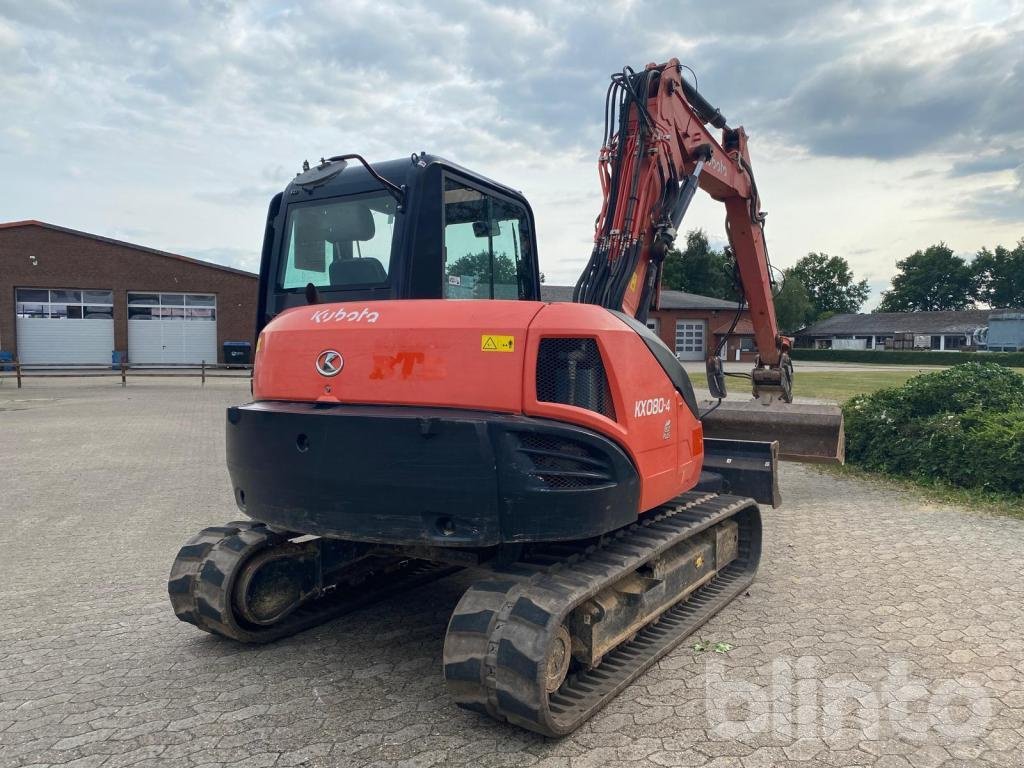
x=271, y=585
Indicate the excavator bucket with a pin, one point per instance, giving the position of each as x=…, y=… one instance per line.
x=810, y=433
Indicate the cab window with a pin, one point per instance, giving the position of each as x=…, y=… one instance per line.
x=339, y=244
x=486, y=245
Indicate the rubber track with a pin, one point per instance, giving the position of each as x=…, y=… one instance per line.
x=499, y=635
x=204, y=572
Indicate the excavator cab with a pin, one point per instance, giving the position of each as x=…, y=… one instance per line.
x=418, y=228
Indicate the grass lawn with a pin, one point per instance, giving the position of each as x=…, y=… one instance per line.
x=839, y=386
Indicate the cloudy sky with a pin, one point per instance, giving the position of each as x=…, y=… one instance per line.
x=876, y=127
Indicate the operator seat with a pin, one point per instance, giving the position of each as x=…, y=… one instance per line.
x=358, y=271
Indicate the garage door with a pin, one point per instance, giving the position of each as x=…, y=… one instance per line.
x=64, y=325
x=172, y=328
x=690, y=339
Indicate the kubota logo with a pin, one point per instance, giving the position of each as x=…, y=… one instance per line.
x=329, y=363
x=338, y=315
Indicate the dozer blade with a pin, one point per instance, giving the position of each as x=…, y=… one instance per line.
x=744, y=468
x=812, y=433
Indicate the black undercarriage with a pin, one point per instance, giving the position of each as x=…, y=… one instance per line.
x=578, y=594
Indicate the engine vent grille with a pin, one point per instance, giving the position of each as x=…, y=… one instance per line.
x=561, y=463
x=571, y=372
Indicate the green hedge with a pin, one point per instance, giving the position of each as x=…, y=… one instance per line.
x=897, y=357
x=963, y=426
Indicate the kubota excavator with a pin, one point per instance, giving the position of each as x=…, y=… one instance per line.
x=417, y=409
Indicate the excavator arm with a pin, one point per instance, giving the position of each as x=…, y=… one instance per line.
x=658, y=151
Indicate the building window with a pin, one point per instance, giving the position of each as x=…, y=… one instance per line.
x=654, y=324
x=64, y=304
x=172, y=306
x=747, y=344
x=689, y=336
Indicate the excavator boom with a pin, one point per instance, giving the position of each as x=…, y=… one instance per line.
x=658, y=151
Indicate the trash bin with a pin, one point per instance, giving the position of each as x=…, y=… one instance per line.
x=6, y=357
x=237, y=353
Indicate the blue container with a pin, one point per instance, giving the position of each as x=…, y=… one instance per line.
x=116, y=357
x=237, y=353
x=6, y=357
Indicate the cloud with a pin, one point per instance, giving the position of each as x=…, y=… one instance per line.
x=907, y=97
x=187, y=117
x=1007, y=160
x=998, y=202
x=239, y=258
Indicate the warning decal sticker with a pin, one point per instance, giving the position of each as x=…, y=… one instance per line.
x=490, y=342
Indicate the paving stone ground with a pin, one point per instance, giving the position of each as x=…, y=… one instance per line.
x=883, y=630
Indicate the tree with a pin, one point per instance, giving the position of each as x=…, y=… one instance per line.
x=479, y=266
x=792, y=304
x=699, y=268
x=829, y=283
x=931, y=280
x=999, y=276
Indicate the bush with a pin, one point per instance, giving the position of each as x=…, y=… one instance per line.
x=896, y=357
x=964, y=426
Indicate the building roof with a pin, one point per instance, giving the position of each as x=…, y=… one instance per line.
x=669, y=299
x=743, y=328
x=123, y=244
x=884, y=323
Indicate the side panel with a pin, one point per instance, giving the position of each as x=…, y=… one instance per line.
x=652, y=422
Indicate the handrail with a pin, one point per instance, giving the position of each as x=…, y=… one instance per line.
x=90, y=370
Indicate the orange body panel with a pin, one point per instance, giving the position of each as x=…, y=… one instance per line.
x=482, y=355
x=397, y=353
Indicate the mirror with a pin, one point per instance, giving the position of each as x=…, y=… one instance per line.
x=716, y=377
x=486, y=228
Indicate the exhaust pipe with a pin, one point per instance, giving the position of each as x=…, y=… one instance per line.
x=808, y=433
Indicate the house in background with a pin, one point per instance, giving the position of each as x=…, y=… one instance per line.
x=690, y=324
x=70, y=297
x=965, y=329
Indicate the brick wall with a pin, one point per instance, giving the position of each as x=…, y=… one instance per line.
x=64, y=259
x=715, y=320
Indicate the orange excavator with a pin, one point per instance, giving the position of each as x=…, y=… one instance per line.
x=417, y=409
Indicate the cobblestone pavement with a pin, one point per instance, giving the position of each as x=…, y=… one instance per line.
x=883, y=630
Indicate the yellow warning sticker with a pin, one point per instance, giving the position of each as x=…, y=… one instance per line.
x=632, y=282
x=490, y=342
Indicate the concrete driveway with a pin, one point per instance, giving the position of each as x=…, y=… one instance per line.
x=883, y=630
